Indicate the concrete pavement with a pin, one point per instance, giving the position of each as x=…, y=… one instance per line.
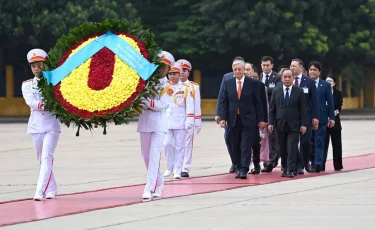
x=95, y=161
x=354, y=114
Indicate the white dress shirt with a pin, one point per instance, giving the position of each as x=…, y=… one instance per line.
x=264, y=76
x=299, y=77
x=242, y=81
x=317, y=82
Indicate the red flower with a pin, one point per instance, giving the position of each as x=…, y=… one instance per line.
x=100, y=77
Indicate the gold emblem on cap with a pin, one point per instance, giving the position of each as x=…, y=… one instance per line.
x=34, y=54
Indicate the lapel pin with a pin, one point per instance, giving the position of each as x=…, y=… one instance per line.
x=321, y=85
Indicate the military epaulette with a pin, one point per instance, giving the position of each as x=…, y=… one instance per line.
x=28, y=80
x=186, y=84
x=193, y=83
x=165, y=89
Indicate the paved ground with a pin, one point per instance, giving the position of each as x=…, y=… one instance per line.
x=352, y=114
x=94, y=161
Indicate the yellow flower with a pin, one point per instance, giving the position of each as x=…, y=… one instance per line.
x=75, y=90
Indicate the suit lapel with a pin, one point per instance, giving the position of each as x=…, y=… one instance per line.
x=233, y=85
x=245, y=82
x=293, y=94
x=272, y=76
x=320, y=85
x=281, y=95
x=303, y=81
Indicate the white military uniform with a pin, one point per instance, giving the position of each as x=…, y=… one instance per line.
x=152, y=126
x=45, y=130
x=195, y=93
x=180, y=118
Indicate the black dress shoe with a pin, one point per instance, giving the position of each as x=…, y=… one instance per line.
x=291, y=174
x=232, y=169
x=284, y=174
x=256, y=169
x=310, y=168
x=237, y=174
x=184, y=174
x=318, y=168
x=268, y=168
x=294, y=173
x=301, y=171
x=243, y=175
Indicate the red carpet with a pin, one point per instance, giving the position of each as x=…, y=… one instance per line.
x=21, y=211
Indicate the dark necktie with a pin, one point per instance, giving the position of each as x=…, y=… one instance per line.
x=267, y=82
x=296, y=81
x=287, y=96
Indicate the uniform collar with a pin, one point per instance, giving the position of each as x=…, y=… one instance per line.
x=163, y=80
x=36, y=80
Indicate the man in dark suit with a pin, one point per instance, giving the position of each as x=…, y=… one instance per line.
x=241, y=109
x=261, y=89
x=226, y=76
x=327, y=116
x=335, y=132
x=312, y=111
x=256, y=142
x=288, y=119
x=270, y=79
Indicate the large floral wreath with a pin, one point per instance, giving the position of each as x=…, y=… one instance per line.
x=103, y=88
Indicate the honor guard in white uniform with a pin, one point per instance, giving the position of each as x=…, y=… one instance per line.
x=43, y=127
x=195, y=93
x=152, y=127
x=180, y=118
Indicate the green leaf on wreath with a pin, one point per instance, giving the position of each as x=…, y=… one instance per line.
x=79, y=33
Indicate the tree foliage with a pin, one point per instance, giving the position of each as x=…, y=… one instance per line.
x=43, y=21
x=335, y=32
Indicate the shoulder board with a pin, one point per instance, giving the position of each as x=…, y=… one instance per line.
x=193, y=83
x=27, y=80
x=166, y=88
x=186, y=84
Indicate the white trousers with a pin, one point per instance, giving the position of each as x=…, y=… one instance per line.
x=188, y=150
x=151, y=148
x=45, y=145
x=174, y=148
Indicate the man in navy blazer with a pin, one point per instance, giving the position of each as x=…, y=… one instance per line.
x=312, y=111
x=327, y=116
x=226, y=77
x=241, y=108
x=260, y=88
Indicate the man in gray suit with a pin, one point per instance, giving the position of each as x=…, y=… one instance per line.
x=288, y=120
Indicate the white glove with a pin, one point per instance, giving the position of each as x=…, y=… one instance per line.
x=188, y=126
x=198, y=129
x=145, y=102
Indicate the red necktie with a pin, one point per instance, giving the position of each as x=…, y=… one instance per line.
x=239, y=93
x=296, y=81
